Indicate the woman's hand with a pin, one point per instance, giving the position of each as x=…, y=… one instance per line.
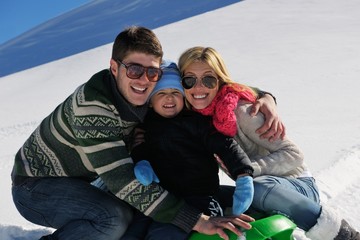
x=216, y=225
x=272, y=128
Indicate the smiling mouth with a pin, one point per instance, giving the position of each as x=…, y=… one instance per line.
x=139, y=89
x=169, y=105
x=202, y=96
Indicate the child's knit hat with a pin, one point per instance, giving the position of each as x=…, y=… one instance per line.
x=170, y=79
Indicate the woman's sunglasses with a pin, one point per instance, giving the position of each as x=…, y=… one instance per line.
x=208, y=81
x=135, y=71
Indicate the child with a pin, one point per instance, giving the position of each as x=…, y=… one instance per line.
x=180, y=146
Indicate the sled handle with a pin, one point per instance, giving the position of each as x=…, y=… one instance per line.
x=276, y=227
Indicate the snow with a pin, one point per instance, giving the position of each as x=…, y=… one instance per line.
x=305, y=52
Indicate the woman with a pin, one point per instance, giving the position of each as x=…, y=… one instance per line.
x=282, y=181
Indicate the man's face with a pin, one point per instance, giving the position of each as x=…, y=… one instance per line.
x=135, y=91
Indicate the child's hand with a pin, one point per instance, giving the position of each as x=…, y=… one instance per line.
x=243, y=195
x=144, y=173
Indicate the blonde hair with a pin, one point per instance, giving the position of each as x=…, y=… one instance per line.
x=211, y=57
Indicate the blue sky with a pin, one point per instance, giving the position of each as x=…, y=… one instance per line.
x=18, y=16
x=99, y=21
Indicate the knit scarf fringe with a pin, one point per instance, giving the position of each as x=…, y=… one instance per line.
x=223, y=105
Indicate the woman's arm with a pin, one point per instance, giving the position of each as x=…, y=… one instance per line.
x=282, y=156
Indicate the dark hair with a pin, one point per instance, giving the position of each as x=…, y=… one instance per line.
x=136, y=39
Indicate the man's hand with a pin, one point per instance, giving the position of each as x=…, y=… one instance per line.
x=216, y=225
x=272, y=128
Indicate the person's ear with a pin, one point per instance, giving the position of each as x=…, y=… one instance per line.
x=114, y=67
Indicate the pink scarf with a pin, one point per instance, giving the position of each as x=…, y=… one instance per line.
x=223, y=105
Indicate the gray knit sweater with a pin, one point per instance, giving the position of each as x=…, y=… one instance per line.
x=85, y=137
x=279, y=158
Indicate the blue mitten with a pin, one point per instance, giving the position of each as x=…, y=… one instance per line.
x=144, y=173
x=243, y=195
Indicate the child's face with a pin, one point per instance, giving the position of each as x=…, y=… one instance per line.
x=167, y=102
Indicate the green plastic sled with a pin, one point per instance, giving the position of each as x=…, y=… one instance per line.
x=276, y=227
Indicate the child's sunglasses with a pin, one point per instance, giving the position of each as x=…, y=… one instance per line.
x=135, y=71
x=208, y=81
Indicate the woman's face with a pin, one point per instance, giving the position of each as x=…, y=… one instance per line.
x=200, y=96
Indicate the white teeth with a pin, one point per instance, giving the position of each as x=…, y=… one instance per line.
x=139, y=89
x=200, y=96
x=169, y=106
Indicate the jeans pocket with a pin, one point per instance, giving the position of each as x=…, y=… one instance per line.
x=29, y=203
x=28, y=184
x=31, y=214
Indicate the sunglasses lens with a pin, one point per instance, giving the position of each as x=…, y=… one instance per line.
x=188, y=82
x=135, y=71
x=209, y=82
x=153, y=74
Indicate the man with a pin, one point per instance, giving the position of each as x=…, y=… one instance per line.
x=85, y=137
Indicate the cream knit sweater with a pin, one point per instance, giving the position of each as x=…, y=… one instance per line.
x=279, y=158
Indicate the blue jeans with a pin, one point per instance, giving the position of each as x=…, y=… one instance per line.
x=76, y=209
x=144, y=228
x=296, y=198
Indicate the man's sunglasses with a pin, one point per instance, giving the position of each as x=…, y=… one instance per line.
x=135, y=71
x=208, y=81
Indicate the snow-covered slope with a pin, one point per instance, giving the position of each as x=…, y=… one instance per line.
x=307, y=53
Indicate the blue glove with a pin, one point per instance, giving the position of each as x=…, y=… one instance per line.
x=144, y=173
x=243, y=195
